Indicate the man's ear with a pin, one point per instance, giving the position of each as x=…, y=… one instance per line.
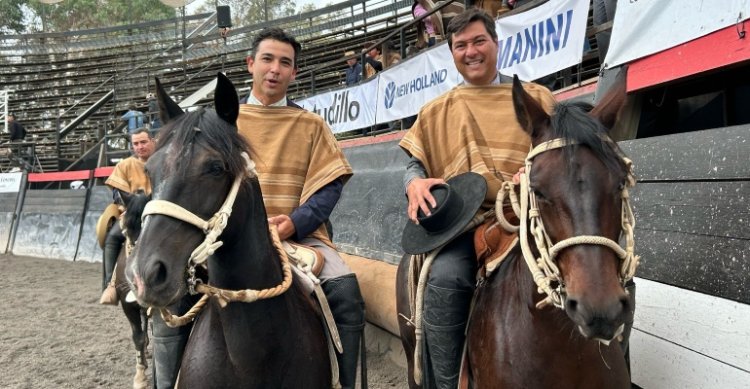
x=250, y=61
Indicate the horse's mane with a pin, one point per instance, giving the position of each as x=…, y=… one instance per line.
x=571, y=120
x=204, y=127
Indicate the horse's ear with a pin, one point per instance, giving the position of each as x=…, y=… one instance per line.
x=608, y=108
x=226, y=102
x=168, y=109
x=530, y=114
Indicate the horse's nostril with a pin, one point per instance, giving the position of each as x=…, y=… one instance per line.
x=571, y=305
x=161, y=274
x=158, y=274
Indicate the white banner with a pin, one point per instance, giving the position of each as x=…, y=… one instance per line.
x=10, y=182
x=345, y=109
x=542, y=40
x=645, y=27
x=405, y=88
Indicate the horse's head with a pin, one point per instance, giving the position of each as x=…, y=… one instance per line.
x=578, y=185
x=198, y=157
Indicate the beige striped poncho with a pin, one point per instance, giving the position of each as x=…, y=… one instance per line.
x=473, y=128
x=295, y=154
x=129, y=175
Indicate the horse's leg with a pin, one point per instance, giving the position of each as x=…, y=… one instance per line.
x=406, y=328
x=133, y=312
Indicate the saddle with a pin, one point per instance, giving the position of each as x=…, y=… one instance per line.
x=305, y=258
x=492, y=242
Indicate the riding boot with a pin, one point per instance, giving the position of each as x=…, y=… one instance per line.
x=347, y=307
x=112, y=246
x=625, y=343
x=444, y=321
x=169, y=345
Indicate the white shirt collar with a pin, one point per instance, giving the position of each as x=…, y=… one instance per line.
x=252, y=100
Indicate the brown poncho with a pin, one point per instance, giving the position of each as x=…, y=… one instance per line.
x=473, y=128
x=295, y=154
x=129, y=175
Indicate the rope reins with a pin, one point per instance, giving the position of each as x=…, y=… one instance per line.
x=213, y=228
x=544, y=269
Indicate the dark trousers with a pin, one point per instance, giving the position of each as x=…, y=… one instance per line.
x=447, y=299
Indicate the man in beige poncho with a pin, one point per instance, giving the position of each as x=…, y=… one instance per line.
x=473, y=128
x=302, y=172
x=128, y=177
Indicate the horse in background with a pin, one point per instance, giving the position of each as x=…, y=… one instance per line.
x=136, y=315
x=258, y=329
x=516, y=336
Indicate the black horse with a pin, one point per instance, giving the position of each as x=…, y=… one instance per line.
x=274, y=342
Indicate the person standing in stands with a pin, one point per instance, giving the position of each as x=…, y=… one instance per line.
x=426, y=27
x=153, y=112
x=353, y=70
x=15, y=129
x=134, y=119
x=373, y=59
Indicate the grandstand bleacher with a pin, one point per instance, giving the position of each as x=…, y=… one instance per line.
x=70, y=88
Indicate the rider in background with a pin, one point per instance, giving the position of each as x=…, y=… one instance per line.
x=128, y=176
x=472, y=127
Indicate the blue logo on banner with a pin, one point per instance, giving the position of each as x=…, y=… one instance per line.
x=390, y=94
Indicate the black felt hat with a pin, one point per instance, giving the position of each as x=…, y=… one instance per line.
x=457, y=202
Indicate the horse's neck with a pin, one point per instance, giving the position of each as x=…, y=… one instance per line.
x=247, y=259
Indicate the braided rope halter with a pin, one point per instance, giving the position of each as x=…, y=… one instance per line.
x=544, y=268
x=212, y=228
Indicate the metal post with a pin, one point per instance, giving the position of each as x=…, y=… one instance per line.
x=312, y=82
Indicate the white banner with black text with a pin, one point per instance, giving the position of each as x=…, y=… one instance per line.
x=345, y=109
x=542, y=40
x=404, y=89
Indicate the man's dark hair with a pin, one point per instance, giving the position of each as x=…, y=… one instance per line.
x=131, y=107
x=471, y=15
x=141, y=131
x=370, y=43
x=276, y=34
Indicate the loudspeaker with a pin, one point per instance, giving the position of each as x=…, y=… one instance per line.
x=223, y=16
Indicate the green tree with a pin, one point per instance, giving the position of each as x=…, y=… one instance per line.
x=71, y=15
x=11, y=16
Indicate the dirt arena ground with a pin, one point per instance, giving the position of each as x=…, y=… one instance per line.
x=54, y=334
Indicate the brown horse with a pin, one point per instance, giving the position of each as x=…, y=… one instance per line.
x=260, y=329
x=516, y=336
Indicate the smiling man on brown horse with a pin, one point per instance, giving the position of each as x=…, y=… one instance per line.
x=472, y=128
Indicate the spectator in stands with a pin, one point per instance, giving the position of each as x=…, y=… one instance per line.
x=153, y=112
x=604, y=11
x=354, y=70
x=15, y=129
x=134, y=119
x=373, y=59
x=128, y=177
x=426, y=35
x=390, y=56
x=444, y=123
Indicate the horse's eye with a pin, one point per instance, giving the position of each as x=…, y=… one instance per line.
x=216, y=168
